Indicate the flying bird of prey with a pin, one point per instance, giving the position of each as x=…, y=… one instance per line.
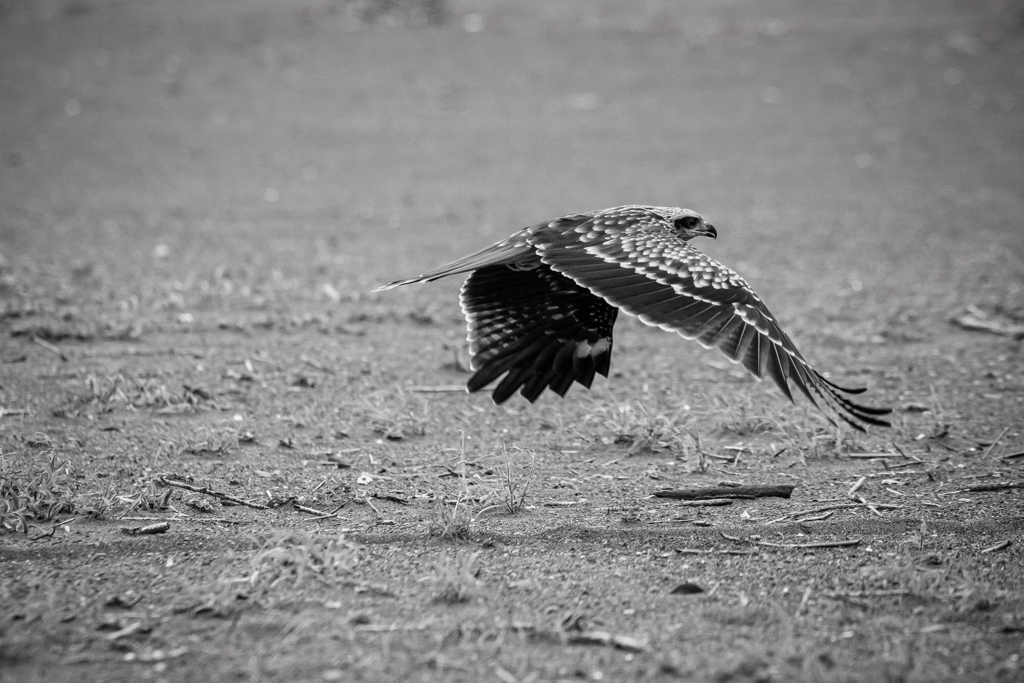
x=541, y=305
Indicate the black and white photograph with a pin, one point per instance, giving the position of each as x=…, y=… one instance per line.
x=525, y=341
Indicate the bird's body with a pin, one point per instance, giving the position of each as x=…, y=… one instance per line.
x=541, y=305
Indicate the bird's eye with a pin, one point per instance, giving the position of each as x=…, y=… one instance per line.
x=687, y=222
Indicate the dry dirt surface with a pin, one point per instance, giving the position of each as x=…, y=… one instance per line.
x=222, y=458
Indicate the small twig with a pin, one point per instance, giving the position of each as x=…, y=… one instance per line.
x=4, y=412
x=769, y=544
x=442, y=389
x=804, y=599
x=992, y=487
x=875, y=455
x=905, y=454
x=998, y=546
x=826, y=508
x=902, y=465
x=214, y=520
x=53, y=528
x=374, y=507
x=702, y=503
x=819, y=517
x=779, y=490
x=868, y=594
x=993, y=444
x=312, y=511
x=869, y=506
x=210, y=492
x=49, y=347
x=698, y=551
x=158, y=528
x=126, y=631
x=857, y=485
x=627, y=643
x=1011, y=456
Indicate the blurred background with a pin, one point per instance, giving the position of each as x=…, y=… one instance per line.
x=858, y=155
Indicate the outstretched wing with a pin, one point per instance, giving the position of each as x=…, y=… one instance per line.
x=539, y=327
x=665, y=282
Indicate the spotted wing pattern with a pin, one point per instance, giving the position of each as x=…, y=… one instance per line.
x=644, y=269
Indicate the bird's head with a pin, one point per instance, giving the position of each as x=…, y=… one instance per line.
x=689, y=224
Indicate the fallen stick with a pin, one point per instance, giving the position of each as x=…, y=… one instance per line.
x=709, y=502
x=318, y=514
x=312, y=511
x=867, y=594
x=992, y=445
x=443, y=389
x=50, y=347
x=158, y=528
x=856, y=487
x=869, y=506
x=698, y=551
x=1011, y=456
x=24, y=411
x=126, y=631
x=998, y=546
x=626, y=643
x=769, y=544
x=823, y=516
x=979, y=488
x=210, y=492
x=779, y=491
x=826, y=508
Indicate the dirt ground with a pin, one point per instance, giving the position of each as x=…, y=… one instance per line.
x=197, y=197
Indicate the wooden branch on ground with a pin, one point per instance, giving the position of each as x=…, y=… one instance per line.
x=699, y=551
x=22, y=411
x=993, y=487
x=827, y=508
x=210, y=492
x=791, y=546
x=894, y=592
x=991, y=446
x=998, y=546
x=441, y=389
x=706, y=502
x=50, y=347
x=778, y=491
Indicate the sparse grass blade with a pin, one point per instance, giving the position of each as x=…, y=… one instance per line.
x=33, y=489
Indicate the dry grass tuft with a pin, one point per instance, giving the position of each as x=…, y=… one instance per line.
x=289, y=560
x=516, y=473
x=647, y=431
x=455, y=579
x=33, y=488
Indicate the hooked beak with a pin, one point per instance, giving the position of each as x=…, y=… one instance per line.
x=709, y=231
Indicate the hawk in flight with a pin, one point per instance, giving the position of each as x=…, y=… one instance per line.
x=541, y=305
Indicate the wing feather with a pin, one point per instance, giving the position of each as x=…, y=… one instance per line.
x=667, y=283
x=537, y=328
